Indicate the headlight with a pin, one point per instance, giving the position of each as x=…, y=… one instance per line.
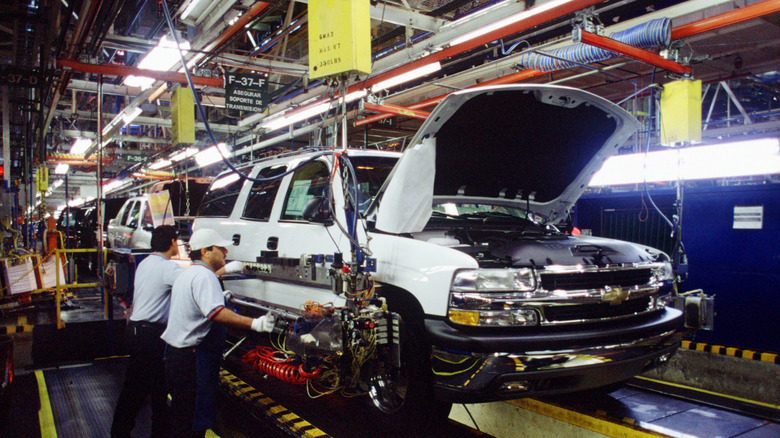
x=490, y=297
x=494, y=280
x=495, y=318
x=663, y=272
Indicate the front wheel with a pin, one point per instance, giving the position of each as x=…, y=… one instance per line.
x=403, y=396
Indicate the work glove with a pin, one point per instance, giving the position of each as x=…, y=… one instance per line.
x=234, y=267
x=264, y=323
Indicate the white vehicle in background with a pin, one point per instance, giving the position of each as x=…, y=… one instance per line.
x=438, y=276
x=132, y=227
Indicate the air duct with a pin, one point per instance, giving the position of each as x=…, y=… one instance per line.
x=654, y=33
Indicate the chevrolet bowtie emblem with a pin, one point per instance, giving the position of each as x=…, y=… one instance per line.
x=614, y=295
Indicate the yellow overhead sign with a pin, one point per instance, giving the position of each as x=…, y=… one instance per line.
x=182, y=116
x=681, y=112
x=339, y=37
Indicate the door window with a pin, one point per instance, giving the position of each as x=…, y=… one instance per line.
x=135, y=212
x=308, y=182
x=147, y=222
x=261, y=197
x=222, y=196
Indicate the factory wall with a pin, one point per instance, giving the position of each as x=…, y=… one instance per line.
x=741, y=267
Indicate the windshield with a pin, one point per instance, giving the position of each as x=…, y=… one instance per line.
x=371, y=173
x=470, y=210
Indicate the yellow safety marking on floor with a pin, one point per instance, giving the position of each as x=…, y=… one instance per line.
x=585, y=421
x=211, y=434
x=740, y=399
x=7, y=330
x=768, y=357
x=269, y=407
x=763, y=356
x=45, y=414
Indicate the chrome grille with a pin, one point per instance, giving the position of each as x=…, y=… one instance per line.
x=594, y=280
x=596, y=311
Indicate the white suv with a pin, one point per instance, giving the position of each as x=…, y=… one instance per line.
x=452, y=283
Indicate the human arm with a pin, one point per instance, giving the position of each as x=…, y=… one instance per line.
x=228, y=317
x=230, y=268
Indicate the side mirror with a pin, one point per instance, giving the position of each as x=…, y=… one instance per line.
x=148, y=227
x=133, y=223
x=316, y=210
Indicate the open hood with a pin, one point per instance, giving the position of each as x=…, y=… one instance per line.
x=504, y=143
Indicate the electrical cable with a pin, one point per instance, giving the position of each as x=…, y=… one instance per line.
x=647, y=150
x=512, y=47
x=202, y=112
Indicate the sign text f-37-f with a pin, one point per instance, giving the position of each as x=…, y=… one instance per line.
x=246, y=92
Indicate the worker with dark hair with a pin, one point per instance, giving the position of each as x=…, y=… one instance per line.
x=196, y=335
x=145, y=375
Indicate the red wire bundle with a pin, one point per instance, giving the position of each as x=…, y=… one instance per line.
x=266, y=360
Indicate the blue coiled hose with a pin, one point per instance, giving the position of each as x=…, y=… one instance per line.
x=654, y=33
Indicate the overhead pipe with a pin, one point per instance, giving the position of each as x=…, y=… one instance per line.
x=727, y=19
x=508, y=79
x=88, y=12
x=538, y=15
x=546, y=13
x=222, y=38
x=238, y=26
x=397, y=110
x=691, y=29
x=653, y=33
x=125, y=70
x=633, y=52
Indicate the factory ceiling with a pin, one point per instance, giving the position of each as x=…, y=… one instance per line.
x=55, y=55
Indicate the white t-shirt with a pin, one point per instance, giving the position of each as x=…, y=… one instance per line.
x=154, y=279
x=195, y=299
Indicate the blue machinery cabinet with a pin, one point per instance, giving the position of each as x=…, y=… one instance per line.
x=740, y=266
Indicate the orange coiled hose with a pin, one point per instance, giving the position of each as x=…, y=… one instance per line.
x=266, y=360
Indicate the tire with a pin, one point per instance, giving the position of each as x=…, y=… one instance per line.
x=410, y=405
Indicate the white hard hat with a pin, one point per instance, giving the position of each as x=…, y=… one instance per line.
x=206, y=237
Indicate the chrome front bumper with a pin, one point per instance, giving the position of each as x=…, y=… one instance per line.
x=593, y=359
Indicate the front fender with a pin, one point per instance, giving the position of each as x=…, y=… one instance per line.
x=424, y=269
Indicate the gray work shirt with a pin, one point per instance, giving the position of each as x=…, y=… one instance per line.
x=154, y=279
x=195, y=299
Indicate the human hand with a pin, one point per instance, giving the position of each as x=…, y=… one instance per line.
x=234, y=267
x=264, y=323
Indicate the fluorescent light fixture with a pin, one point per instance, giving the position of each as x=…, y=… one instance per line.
x=211, y=155
x=61, y=169
x=727, y=160
x=251, y=38
x=291, y=118
x=107, y=129
x=406, y=77
x=116, y=185
x=183, y=155
x=80, y=146
x=505, y=22
x=129, y=117
x=159, y=164
x=225, y=181
x=162, y=58
x=188, y=10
